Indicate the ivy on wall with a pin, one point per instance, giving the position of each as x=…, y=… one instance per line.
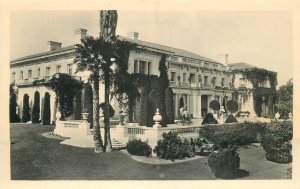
x=257, y=76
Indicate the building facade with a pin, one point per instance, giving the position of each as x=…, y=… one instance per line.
x=195, y=80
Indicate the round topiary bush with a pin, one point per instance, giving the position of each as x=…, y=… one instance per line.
x=232, y=106
x=224, y=163
x=215, y=105
x=138, y=148
x=209, y=119
x=231, y=119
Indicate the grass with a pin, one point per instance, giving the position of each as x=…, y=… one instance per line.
x=34, y=157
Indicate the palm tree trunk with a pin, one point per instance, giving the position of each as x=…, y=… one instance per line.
x=107, y=140
x=96, y=128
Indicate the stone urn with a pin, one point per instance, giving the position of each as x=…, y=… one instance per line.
x=157, y=119
x=85, y=117
x=58, y=115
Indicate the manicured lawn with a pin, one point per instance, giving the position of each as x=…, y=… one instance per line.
x=34, y=157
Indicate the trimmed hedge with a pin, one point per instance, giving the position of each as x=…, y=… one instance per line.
x=231, y=119
x=35, y=118
x=277, y=142
x=169, y=105
x=26, y=114
x=172, y=147
x=138, y=148
x=225, y=163
x=234, y=134
x=209, y=119
x=46, y=110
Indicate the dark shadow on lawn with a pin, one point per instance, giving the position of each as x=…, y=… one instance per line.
x=240, y=173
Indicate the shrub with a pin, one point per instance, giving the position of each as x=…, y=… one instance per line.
x=111, y=109
x=156, y=100
x=230, y=119
x=46, y=110
x=77, y=106
x=225, y=163
x=138, y=148
x=169, y=105
x=13, y=117
x=232, y=106
x=215, y=105
x=209, y=119
x=88, y=102
x=25, y=115
x=35, y=118
x=276, y=141
x=234, y=134
x=171, y=147
x=144, y=105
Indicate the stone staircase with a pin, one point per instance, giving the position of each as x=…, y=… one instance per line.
x=117, y=144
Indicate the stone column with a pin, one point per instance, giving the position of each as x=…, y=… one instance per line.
x=199, y=106
x=195, y=106
x=188, y=103
x=176, y=104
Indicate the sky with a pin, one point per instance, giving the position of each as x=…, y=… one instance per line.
x=262, y=39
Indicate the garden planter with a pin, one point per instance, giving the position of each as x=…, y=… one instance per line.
x=182, y=123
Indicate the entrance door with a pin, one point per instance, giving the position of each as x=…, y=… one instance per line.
x=204, y=105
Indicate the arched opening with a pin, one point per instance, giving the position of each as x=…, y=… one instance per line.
x=181, y=102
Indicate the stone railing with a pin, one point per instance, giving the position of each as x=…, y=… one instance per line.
x=72, y=128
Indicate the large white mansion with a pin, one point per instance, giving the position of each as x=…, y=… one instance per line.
x=195, y=80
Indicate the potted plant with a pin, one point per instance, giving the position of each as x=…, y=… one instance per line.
x=215, y=106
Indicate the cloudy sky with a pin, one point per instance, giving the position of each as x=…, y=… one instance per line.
x=263, y=39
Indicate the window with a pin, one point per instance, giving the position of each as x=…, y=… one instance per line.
x=173, y=75
x=184, y=77
x=48, y=69
x=136, y=65
x=222, y=82
x=21, y=74
x=149, y=68
x=199, y=78
x=242, y=82
x=192, y=78
x=70, y=71
x=142, y=67
x=58, y=69
x=29, y=74
x=213, y=80
x=205, y=80
x=38, y=72
x=13, y=76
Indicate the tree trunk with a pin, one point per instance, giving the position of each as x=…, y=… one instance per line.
x=107, y=140
x=96, y=128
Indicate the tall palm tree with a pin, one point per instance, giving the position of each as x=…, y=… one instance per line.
x=94, y=55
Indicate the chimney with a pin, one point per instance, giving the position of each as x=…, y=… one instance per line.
x=226, y=59
x=133, y=35
x=80, y=33
x=52, y=45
